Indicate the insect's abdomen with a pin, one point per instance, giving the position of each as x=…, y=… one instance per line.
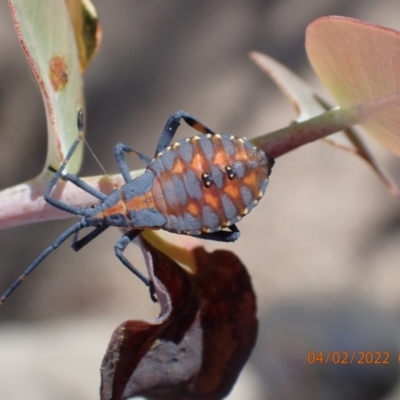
x=205, y=183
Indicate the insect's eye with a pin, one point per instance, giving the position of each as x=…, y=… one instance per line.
x=207, y=180
x=230, y=172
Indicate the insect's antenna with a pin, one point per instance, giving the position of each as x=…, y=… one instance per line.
x=65, y=235
x=99, y=162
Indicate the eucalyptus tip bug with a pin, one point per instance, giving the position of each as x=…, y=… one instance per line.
x=199, y=186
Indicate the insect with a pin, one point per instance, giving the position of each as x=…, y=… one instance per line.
x=199, y=186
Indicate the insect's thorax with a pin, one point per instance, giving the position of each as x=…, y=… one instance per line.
x=131, y=206
x=207, y=182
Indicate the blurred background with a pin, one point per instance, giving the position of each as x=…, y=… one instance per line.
x=322, y=247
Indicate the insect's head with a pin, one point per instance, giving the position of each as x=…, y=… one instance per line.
x=93, y=215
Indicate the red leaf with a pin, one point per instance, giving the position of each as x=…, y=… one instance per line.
x=203, y=337
x=358, y=62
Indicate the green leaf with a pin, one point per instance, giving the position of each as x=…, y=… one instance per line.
x=47, y=38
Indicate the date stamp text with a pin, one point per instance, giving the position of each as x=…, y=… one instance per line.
x=345, y=357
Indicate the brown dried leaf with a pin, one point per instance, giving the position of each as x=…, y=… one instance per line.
x=201, y=340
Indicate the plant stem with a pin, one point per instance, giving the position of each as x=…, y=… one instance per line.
x=293, y=136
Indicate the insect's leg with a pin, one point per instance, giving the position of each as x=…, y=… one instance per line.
x=222, y=236
x=77, y=244
x=172, y=125
x=57, y=203
x=119, y=150
x=84, y=186
x=119, y=248
x=65, y=235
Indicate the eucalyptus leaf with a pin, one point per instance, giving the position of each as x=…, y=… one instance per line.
x=48, y=41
